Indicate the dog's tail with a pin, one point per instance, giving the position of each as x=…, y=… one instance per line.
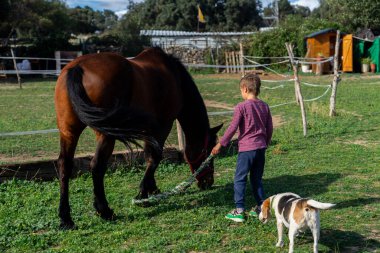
x=319, y=205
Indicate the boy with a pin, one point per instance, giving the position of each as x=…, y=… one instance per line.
x=254, y=120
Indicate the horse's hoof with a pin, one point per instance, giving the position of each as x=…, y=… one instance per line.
x=155, y=192
x=142, y=203
x=67, y=225
x=141, y=195
x=107, y=215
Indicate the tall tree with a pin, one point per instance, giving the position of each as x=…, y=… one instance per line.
x=128, y=30
x=285, y=8
x=87, y=20
x=350, y=13
x=220, y=15
x=241, y=15
x=303, y=11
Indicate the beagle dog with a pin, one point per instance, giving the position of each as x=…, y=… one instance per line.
x=295, y=213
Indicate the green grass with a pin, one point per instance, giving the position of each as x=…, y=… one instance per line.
x=337, y=162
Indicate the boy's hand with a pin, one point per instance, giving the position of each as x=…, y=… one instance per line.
x=216, y=149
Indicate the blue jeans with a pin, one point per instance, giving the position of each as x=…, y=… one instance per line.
x=252, y=163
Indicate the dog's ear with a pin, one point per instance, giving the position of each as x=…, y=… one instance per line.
x=265, y=209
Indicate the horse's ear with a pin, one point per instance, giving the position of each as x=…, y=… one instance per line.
x=216, y=129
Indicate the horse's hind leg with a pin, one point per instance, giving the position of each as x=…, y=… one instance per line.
x=68, y=142
x=98, y=168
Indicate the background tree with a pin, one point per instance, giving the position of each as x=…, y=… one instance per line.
x=242, y=15
x=271, y=43
x=86, y=20
x=285, y=9
x=128, y=30
x=302, y=11
x=351, y=14
x=221, y=15
x=42, y=22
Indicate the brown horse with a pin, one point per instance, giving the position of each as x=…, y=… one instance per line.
x=128, y=100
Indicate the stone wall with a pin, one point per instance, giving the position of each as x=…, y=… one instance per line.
x=188, y=55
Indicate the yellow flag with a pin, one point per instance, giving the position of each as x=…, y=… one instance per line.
x=201, y=18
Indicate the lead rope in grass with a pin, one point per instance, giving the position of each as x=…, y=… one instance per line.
x=180, y=188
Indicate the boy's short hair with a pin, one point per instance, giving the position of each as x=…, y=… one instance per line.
x=252, y=82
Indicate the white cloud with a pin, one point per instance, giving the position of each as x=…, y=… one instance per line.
x=312, y=4
x=120, y=13
x=114, y=5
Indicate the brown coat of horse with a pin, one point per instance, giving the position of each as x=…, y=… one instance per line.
x=128, y=100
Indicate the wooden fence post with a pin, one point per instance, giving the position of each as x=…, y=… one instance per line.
x=227, y=62
x=181, y=137
x=242, y=59
x=15, y=65
x=336, y=76
x=289, y=47
x=233, y=61
x=58, y=65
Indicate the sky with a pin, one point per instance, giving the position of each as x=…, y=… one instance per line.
x=120, y=6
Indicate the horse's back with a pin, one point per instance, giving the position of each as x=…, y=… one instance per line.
x=104, y=77
x=145, y=82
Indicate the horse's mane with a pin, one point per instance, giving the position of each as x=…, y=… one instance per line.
x=193, y=102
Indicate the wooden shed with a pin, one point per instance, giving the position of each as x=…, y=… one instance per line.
x=321, y=44
x=352, y=49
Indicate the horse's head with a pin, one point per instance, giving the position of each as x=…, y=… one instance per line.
x=206, y=177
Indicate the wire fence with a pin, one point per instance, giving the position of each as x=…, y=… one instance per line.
x=13, y=69
x=23, y=141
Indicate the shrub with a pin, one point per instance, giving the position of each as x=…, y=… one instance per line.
x=294, y=29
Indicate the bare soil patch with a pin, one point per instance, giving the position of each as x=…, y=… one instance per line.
x=267, y=76
x=360, y=142
x=216, y=104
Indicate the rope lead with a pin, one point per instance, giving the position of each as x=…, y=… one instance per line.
x=180, y=188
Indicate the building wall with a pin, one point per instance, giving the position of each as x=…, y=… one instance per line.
x=194, y=42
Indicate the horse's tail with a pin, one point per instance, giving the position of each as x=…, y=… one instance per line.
x=120, y=121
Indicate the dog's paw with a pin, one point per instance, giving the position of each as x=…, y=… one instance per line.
x=280, y=244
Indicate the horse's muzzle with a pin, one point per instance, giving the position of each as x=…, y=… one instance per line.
x=206, y=181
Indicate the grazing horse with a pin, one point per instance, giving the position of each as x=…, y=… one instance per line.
x=128, y=100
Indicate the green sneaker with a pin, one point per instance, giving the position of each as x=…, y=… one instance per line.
x=255, y=211
x=235, y=216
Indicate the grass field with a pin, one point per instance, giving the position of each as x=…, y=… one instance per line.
x=337, y=162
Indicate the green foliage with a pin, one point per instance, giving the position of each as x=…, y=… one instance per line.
x=223, y=15
x=351, y=14
x=366, y=60
x=86, y=20
x=128, y=31
x=293, y=29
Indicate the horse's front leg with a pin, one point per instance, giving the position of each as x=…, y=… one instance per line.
x=98, y=168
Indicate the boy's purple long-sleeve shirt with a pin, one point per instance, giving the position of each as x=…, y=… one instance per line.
x=254, y=120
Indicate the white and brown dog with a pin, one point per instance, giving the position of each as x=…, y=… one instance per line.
x=295, y=213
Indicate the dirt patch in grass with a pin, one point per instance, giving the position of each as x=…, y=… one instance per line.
x=216, y=104
x=278, y=121
x=267, y=76
x=350, y=113
x=360, y=142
